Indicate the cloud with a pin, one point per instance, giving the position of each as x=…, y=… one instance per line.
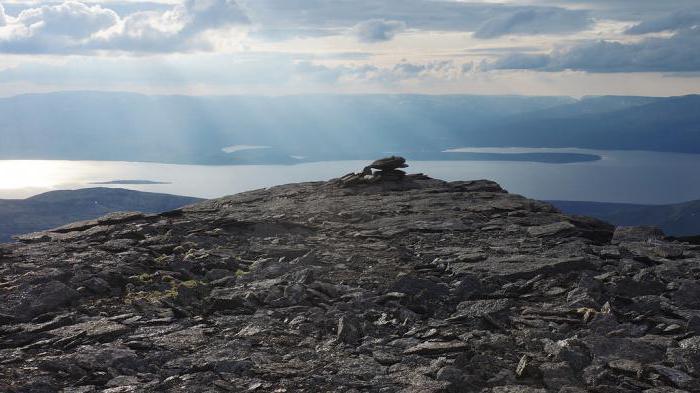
x=222, y=71
x=519, y=61
x=203, y=69
x=389, y=75
x=406, y=70
x=625, y=10
x=74, y=28
x=338, y=16
x=670, y=22
x=544, y=20
x=378, y=30
x=71, y=19
x=50, y=27
x=319, y=73
x=205, y=15
x=3, y=17
x=677, y=53
x=273, y=34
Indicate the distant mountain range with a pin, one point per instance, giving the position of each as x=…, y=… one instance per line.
x=681, y=219
x=292, y=129
x=56, y=208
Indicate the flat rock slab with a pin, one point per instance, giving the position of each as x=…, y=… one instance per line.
x=555, y=229
x=480, y=308
x=389, y=163
x=432, y=348
x=182, y=340
x=525, y=266
x=624, y=348
x=99, y=330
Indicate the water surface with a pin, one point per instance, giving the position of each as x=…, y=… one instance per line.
x=620, y=176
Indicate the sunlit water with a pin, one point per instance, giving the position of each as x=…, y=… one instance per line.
x=621, y=176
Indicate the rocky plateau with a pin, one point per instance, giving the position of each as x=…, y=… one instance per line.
x=376, y=282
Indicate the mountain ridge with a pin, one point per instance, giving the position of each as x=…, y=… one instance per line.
x=195, y=129
x=678, y=219
x=55, y=208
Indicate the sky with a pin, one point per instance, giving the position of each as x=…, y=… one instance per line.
x=280, y=47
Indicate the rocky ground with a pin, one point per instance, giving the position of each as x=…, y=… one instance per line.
x=382, y=284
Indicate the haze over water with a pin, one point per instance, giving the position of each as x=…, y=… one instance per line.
x=620, y=176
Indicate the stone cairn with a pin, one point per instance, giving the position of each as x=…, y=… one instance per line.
x=383, y=169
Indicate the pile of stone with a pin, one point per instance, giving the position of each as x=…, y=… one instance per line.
x=383, y=169
x=388, y=168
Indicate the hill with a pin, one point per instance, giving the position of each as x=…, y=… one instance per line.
x=188, y=129
x=668, y=124
x=292, y=129
x=55, y=208
x=370, y=282
x=681, y=219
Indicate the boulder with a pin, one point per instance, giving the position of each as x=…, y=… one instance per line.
x=388, y=163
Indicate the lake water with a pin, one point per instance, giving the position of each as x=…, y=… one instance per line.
x=620, y=176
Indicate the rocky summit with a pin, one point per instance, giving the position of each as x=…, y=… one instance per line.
x=387, y=169
x=364, y=283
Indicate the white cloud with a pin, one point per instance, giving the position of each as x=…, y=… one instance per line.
x=3, y=17
x=58, y=27
x=72, y=19
x=74, y=27
x=444, y=69
x=377, y=30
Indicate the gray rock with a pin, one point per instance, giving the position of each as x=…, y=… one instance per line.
x=99, y=330
x=472, y=309
x=676, y=377
x=688, y=294
x=625, y=348
x=571, y=351
x=433, y=348
x=388, y=163
x=518, y=389
x=626, y=366
x=580, y=297
x=637, y=234
x=46, y=297
x=349, y=330
x=557, y=375
x=687, y=356
x=450, y=374
x=123, y=380
x=563, y=228
x=526, y=368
